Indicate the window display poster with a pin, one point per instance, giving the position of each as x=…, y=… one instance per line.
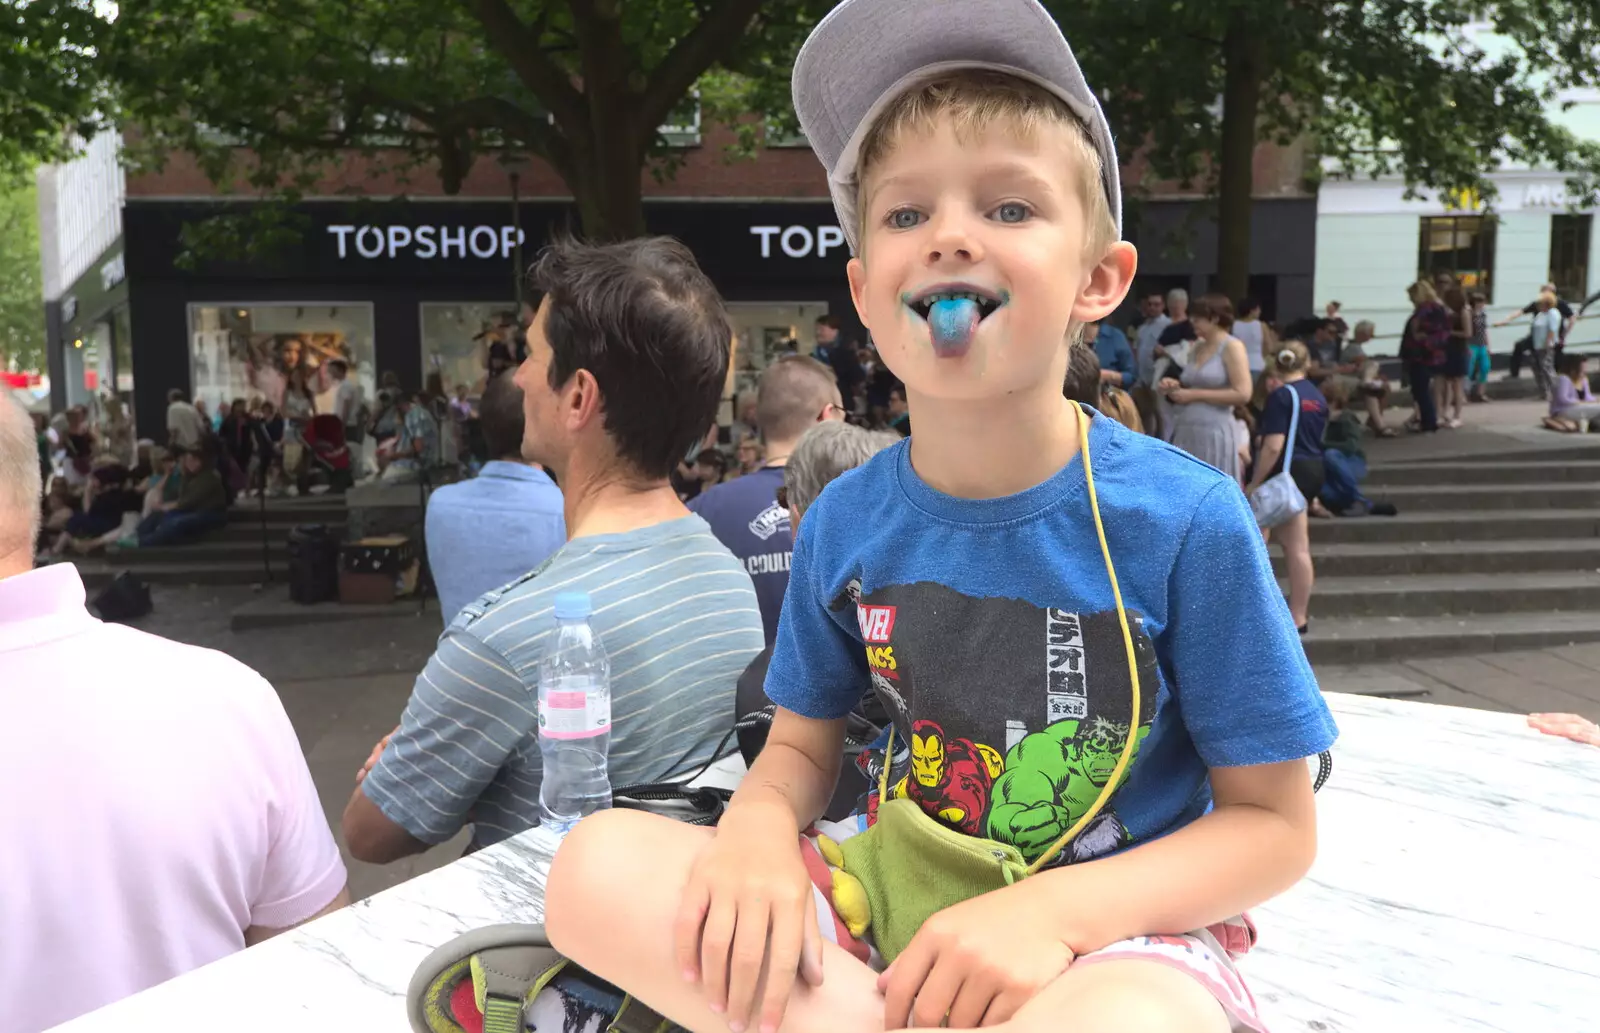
x=230, y=364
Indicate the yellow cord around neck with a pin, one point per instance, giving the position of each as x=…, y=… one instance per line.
x=1131, y=743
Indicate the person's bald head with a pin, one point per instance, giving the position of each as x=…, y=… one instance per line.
x=795, y=392
x=19, y=485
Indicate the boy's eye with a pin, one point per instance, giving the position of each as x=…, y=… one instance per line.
x=1013, y=211
x=903, y=218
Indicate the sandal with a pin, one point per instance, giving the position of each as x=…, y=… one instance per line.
x=484, y=981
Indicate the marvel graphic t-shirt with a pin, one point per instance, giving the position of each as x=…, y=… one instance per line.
x=989, y=631
x=745, y=516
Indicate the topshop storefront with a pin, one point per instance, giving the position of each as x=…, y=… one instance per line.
x=422, y=287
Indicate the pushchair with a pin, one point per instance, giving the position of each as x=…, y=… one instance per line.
x=327, y=453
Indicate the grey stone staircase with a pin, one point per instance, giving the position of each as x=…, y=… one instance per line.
x=243, y=552
x=1486, y=555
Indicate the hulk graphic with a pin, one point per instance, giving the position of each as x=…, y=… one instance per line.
x=1052, y=777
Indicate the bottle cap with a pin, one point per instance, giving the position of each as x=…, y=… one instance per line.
x=573, y=606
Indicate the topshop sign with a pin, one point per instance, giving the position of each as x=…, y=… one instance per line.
x=426, y=242
x=799, y=241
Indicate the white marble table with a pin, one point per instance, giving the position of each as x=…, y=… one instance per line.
x=1455, y=890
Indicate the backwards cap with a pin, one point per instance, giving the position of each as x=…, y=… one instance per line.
x=866, y=53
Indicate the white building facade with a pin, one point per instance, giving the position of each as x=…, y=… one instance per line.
x=1373, y=242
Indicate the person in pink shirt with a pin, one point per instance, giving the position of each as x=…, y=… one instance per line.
x=158, y=812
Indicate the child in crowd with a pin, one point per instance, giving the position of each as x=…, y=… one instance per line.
x=1572, y=404
x=1478, y=347
x=1127, y=720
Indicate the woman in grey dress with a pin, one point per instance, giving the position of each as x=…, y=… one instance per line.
x=1215, y=379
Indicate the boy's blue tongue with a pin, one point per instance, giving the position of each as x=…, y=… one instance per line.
x=953, y=322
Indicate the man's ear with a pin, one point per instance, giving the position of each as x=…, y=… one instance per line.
x=581, y=401
x=1106, y=283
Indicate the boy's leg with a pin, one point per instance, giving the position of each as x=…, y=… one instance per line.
x=1123, y=996
x=611, y=903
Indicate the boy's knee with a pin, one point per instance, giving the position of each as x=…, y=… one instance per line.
x=585, y=867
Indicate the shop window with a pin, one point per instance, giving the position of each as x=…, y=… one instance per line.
x=1569, y=255
x=250, y=350
x=458, y=341
x=763, y=332
x=1461, y=245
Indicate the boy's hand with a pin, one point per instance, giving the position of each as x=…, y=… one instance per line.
x=748, y=907
x=976, y=963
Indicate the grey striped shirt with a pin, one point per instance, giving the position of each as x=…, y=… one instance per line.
x=679, y=620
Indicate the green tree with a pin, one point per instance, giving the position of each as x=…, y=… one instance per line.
x=21, y=295
x=274, y=93
x=1378, y=87
x=49, y=79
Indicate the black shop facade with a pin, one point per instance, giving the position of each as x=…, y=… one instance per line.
x=425, y=287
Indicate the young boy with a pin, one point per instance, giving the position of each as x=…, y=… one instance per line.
x=959, y=575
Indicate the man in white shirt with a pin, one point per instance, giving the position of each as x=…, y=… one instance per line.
x=1156, y=320
x=158, y=812
x=186, y=428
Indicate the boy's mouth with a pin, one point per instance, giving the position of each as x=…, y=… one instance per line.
x=953, y=312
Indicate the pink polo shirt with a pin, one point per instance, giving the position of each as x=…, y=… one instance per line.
x=154, y=804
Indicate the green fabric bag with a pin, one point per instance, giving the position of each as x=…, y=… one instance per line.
x=909, y=866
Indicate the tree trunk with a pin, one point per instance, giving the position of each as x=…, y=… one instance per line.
x=1244, y=61
x=610, y=196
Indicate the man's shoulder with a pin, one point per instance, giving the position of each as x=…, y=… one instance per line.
x=185, y=675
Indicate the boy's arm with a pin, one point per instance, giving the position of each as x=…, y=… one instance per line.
x=1239, y=677
x=795, y=772
x=1258, y=841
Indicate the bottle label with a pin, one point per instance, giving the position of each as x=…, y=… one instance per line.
x=574, y=714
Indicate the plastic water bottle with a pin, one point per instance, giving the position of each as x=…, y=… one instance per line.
x=574, y=719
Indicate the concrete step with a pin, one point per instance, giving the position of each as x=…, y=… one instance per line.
x=208, y=550
x=288, y=516
x=1352, y=640
x=1585, y=471
x=1436, y=595
x=97, y=572
x=1477, y=498
x=1392, y=559
x=1415, y=527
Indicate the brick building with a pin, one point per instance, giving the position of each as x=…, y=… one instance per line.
x=421, y=285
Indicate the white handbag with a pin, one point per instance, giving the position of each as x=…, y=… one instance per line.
x=1278, y=499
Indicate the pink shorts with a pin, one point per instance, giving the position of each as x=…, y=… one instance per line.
x=1207, y=955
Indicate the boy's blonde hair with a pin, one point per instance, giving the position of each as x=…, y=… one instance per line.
x=976, y=100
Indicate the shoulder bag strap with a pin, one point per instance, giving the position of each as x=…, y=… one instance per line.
x=1294, y=425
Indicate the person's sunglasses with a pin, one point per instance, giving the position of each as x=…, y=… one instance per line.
x=783, y=496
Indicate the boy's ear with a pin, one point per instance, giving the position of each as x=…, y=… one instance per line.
x=856, y=272
x=1106, y=283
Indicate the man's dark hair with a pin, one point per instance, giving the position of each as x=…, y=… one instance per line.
x=339, y=366
x=791, y=396
x=500, y=417
x=829, y=321
x=1248, y=305
x=1083, y=376
x=177, y=394
x=650, y=328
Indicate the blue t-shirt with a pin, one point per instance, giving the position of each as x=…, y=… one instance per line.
x=989, y=631
x=1276, y=412
x=745, y=516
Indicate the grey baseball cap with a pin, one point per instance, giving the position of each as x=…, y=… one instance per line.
x=866, y=53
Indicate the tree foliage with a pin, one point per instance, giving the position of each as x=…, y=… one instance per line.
x=49, y=79
x=584, y=85
x=1379, y=87
x=21, y=296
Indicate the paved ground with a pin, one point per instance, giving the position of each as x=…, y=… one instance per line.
x=344, y=686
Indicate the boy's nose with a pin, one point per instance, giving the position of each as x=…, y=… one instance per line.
x=953, y=239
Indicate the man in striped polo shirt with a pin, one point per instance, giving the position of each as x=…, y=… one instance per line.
x=628, y=355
